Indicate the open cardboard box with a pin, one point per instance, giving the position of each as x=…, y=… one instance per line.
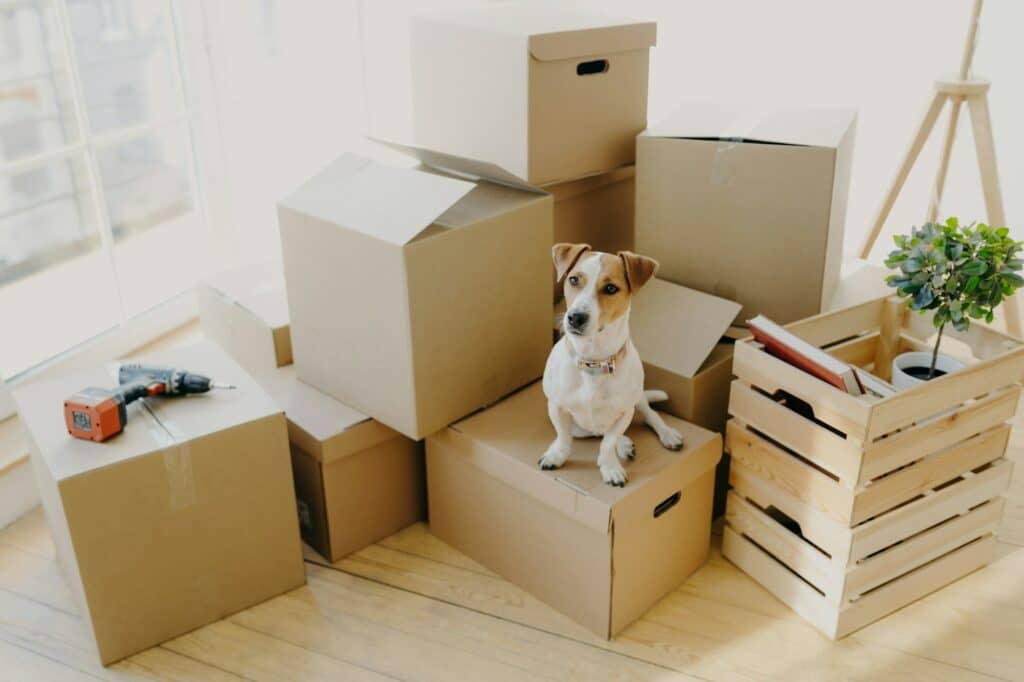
x=600, y=554
x=596, y=210
x=245, y=310
x=356, y=480
x=747, y=205
x=379, y=260
x=550, y=94
x=184, y=518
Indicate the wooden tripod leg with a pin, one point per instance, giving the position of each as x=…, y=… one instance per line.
x=947, y=148
x=927, y=123
x=984, y=143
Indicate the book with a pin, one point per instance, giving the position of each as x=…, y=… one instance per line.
x=789, y=347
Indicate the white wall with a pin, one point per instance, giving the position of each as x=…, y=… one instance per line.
x=879, y=56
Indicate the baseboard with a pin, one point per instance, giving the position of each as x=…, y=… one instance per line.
x=18, y=493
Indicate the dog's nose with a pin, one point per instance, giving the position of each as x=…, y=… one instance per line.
x=577, y=320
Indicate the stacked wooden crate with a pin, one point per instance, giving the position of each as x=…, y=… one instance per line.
x=848, y=508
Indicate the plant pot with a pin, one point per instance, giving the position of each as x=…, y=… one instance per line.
x=911, y=369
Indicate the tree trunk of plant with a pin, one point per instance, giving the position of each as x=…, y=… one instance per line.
x=935, y=351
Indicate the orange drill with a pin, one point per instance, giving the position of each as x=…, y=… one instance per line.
x=100, y=413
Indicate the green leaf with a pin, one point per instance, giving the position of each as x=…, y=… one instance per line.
x=911, y=265
x=972, y=284
x=976, y=267
x=923, y=298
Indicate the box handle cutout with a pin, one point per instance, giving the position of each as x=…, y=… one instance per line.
x=666, y=504
x=591, y=67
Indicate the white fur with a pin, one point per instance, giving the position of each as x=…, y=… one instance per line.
x=585, y=405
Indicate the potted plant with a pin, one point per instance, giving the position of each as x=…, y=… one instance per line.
x=962, y=273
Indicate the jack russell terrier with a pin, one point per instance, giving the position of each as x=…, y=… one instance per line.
x=594, y=380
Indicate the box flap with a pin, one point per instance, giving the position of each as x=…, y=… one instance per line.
x=256, y=288
x=458, y=165
x=519, y=429
x=320, y=415
x=388, y=203
x=160, y=423
x=774, y=125
x=677, y=328
x=606, y=36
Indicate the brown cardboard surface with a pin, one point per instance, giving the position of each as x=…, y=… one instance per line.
x=184, y=518
x=356, y=480
x=596, y=209
x=378, y=323
x=563, y=531
x=723, y=197
x=245, y=310
x=499, y=84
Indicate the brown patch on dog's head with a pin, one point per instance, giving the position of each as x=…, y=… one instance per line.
x=639, y=269
x=565, y=257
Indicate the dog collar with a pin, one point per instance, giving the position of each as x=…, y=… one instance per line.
x=597, y=367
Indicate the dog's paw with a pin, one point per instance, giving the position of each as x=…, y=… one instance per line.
x=553, y=459
x=671, y=439
x=625, y=448
x=614, y=474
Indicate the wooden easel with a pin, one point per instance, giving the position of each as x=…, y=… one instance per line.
x=973, y=91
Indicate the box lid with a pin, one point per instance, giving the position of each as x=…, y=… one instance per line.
x=153, y=424
x=812, y=127
x=385, y=202
x=554, y=32
x=513, y=434
x=677, y=328
x=258, y=289
x=461, y=166
x=317, y=423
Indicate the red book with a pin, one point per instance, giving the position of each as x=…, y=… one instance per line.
x=791, y=348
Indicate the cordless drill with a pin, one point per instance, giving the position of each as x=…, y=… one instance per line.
x=100, y=413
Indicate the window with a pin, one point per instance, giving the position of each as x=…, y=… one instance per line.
x=101, y=214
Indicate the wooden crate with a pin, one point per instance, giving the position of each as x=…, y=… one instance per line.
x=848, y=508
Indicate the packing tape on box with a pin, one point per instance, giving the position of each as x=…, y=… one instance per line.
x=175, y=451
x=735, y=133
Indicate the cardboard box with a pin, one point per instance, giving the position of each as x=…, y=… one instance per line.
x=245, y=311
x=549, y=94
x=184, y=518
x=600, y=554
x=596, y=210
x=356, y=480
x=415, y=297
x=747, y=205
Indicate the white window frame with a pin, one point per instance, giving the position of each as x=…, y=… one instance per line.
x=187, y=36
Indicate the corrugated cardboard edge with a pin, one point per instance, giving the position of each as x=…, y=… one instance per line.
x=833, y=262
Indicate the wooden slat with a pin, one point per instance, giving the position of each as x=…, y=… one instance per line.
x=896, y=488
x=827, y=328
x=913, y=443
x=986, y=343
x=859, y=351
x=916, y=585
x=811, y=440
x=815, y=567
x=782, y=583
x=832, y=406
x=923, y=548
x=794, y=477
x=830, y=535
x=940, y=394
x=929, y=510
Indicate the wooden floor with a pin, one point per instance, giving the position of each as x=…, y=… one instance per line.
x=412, y=608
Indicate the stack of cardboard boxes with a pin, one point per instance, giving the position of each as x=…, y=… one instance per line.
x=418, y=308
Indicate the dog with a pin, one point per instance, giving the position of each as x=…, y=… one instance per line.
x=593, y=379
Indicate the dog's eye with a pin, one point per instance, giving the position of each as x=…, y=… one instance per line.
x=574, y=281
x=611, y=289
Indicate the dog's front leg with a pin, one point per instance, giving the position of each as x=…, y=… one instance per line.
x=608, y=462
x=560, y=448
x=668, y=436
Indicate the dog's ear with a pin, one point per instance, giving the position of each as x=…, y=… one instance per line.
x=565, y=257
x=639, y=269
